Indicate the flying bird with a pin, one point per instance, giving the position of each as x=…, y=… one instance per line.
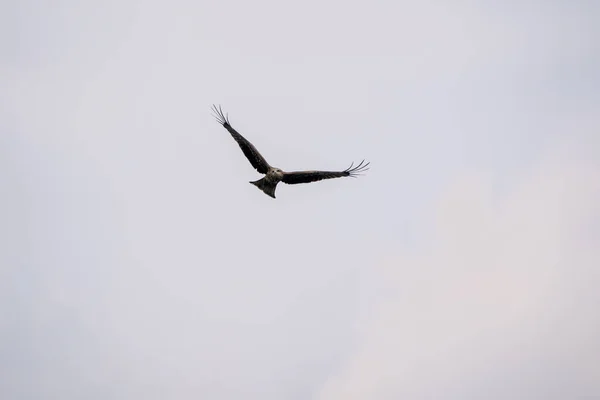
x=273, y=175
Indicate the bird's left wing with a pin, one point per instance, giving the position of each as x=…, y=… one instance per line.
x=255, y=158
x=313, y=176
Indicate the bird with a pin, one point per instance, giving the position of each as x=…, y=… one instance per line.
x=274, y=175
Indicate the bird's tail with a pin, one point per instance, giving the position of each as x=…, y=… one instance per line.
x=266, y=186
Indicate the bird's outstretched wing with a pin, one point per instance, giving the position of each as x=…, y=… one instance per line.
x=313, y=176
x=255, y=158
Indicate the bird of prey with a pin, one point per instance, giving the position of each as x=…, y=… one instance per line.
x=275, y=175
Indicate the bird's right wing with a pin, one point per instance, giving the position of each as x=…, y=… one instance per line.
x=255, y=158
x=313, y=176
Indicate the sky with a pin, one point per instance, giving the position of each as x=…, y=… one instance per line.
x=137, y=262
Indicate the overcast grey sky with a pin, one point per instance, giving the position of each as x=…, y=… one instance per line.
x=136, y=262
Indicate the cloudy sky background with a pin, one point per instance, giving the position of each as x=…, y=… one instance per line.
x=136, y=262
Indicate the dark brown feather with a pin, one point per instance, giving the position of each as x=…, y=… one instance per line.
x=313, y=176
x=255, y=158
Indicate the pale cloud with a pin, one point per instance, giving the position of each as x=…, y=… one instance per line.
x=500, y=303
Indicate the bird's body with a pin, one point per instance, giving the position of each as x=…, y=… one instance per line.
x=273, y=175
x=268, y=184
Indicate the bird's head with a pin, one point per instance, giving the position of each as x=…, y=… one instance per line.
x=277, y=172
